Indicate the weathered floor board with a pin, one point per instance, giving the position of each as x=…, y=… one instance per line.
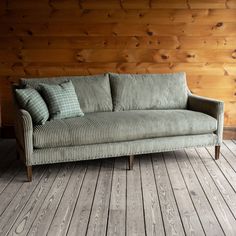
x=183, y=192
x=220, y=207
x=152, y=211
x=172, y=221
x=188, y=214
x=117, y=209
x=206, y=214
x=135, y=224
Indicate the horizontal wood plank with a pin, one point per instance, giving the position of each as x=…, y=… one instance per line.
x=143, y=15
x=80, y=37
x=118, y=29
x=118, y=55
x=122, y=42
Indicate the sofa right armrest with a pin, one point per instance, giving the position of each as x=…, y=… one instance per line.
x=211, y=107
x=23, y=132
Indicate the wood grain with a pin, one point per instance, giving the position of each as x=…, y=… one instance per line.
x=231, y=146
x=166, y=193
x=13, y=210
x=135, y=215
x=29, y=212
x=205, y=213
x=223, y=185
x=62, y=217
x=117, y=209
x=145, y=36
x=152, y=213
x=99, y=213
x=224, y=165
x=187, y=211
x=46, y=213
x=224, y=215
x=81, y=16
x=171, y=218
x=81, y=214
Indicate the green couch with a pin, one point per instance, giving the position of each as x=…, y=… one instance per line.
x=125, y=114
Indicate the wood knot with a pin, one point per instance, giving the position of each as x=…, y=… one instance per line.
x=86, y=32
x=234, y=54
x=80, y=60
x=29, y=32
x=164, y=57
x=219, y=24
x=141, y=15
x=191, y=56
x=150, y=33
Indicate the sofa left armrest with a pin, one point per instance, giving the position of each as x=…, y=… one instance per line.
x=211, y=107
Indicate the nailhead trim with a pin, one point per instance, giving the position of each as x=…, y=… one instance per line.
x=124, y=154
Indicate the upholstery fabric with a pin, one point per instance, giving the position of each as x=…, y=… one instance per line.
x=212, y=107
x=137, y=132
x=30, y=100
x=106, y=127
x=149, y=91
x=93, y=92
x=62, y=100
x=105, y=150
x=24, y=134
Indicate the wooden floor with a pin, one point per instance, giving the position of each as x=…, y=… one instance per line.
x=175, y=193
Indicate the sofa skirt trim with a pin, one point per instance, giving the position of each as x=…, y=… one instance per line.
x=106, y=150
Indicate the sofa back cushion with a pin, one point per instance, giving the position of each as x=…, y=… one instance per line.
x=93, y=91
x=148, y=91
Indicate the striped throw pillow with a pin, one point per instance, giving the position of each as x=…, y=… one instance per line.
x=62, y=100
x=30, y=100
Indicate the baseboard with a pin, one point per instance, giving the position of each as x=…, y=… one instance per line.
x=8, y=132
x=229, y=133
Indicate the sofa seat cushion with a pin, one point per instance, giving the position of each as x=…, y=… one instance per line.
x=107, y=127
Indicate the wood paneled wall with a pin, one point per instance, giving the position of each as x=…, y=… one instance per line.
x=73, y=37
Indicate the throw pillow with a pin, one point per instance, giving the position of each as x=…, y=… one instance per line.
x=30, y=100
x=62, y=100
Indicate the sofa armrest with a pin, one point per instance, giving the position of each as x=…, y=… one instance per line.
x=211, y=107
x=24, y=134
x=23, y=130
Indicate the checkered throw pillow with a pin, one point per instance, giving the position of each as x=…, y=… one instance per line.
x=30, y=100
x=62, y=100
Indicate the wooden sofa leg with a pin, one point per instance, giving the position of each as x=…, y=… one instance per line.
x=29, y=173
x=217, y=152
x=131, y=162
